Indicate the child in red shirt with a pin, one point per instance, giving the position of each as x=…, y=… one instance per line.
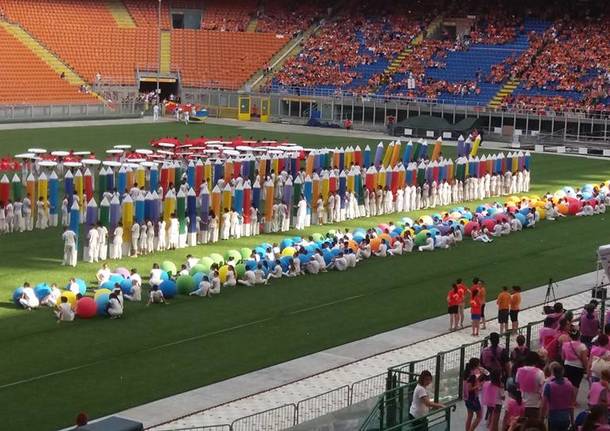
x=475, y=312
x=454, y=299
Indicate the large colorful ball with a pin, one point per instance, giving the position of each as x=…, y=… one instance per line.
x=288, y=251
x=197, y=278
x=240, y=269
x=245, y=253
x=101, y=303
x=123, y=271
x=99, y=292
x=126, y=287
x=169, y=288
x=286, y=242
x=233, y=255
x=17, y=296
x=420, y=238
x=217, y=259
x=205, y=263
x=70, y=296
x=222, y=273
x=86, y=308
x=197, y=268
x=317, y=236
x=185, y=284
x=42, y=290
x=470, y=226
x=169, y=266
x=490, y=224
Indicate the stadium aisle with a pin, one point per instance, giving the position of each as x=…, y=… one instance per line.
x=345, y=364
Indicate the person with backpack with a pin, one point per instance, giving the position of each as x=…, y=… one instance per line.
x=530, y=380
x=552, y=348
x=576, y=358
x=495, y=358
x=558, y=401
x=588, y=324
x=518, y=355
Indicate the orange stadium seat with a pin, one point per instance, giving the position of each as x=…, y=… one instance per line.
x=86, y=36
x=28, y=79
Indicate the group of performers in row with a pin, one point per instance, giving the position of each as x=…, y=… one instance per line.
x=148, y=236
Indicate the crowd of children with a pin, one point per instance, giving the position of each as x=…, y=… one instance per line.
x=537, y=389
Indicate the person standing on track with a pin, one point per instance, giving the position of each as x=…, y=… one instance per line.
x=503, y=303
x=463, y=290
x=454, y=299
x=515, y=306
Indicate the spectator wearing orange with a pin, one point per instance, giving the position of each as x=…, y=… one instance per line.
x=515, y=306
x=454, y=299
x=463, y=290
x=475, y=311
x=503, y=303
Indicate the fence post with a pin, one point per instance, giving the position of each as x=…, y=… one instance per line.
x=461, y=371
x=437, y=380
x=507, y=338
x=528, y=335
x=295, y=420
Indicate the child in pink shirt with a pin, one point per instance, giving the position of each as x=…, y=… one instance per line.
x=492, y=395
x=514, y=408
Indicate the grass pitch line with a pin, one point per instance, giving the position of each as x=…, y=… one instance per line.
x=315, y=307
x=162, y=346
x=177, y=342
x=209, y=334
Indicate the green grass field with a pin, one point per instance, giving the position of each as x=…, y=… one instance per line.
x=103, y=366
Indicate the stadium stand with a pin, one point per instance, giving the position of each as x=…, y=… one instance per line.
x=89, y=41
x=513, y=57
x=26, y=78
x=287, y=18
x=352, y=48
x=221, y=59
x=231, y=16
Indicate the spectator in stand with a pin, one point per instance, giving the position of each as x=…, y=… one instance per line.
x=576, y=358
x=559, y=399
x=589, y=324
x=530, y=380
x=495, y=358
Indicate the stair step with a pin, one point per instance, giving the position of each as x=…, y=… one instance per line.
x=251, y=27
x=166, y=52
x=45, y=55
x=121, y=15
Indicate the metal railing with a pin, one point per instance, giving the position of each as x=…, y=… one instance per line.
x=367, y=388
x=24, y=112
x=278, y=418
x=320, y=405
x=447, y=367
x=447, y=373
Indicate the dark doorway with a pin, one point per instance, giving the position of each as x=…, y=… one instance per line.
x=167, y=88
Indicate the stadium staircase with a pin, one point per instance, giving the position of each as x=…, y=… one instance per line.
x=166, y=52
x=290, y=50
x=251, y=27
x=120, y=14
x=395, y=63
x=43, y=53
x=506, y=90
x=27, y=78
